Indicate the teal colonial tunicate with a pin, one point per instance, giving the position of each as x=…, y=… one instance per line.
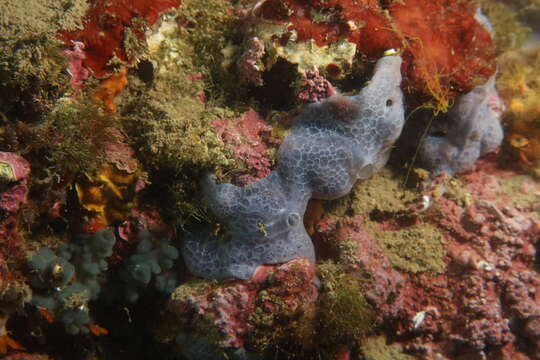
x=333, y=144
x=152, y=259
x=65, y=283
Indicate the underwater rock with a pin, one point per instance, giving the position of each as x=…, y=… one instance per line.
x=119, y=153
x=31, y=69
x=362, y=252
x=487, y=242
x=481, y=321
x=203, y=317
x=250, y=139
x=446, y=51
x=13, y=244
x=484, y=300
x=521, y=296
x=76, y=69
x=438, y=276
x=197, y=348
x=110, y=27
x=249, y=64
x=13, y=167
x=333, y=144
x=14, y=171
x=314, y=87
x=469, y=130
x=12, y=198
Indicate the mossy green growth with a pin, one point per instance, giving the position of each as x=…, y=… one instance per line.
x=29, y=48
x=280, y=327
x=342, y=316
x=383, y=192
x=344, y=313
x=170, y=117
x=176, y=130
x=527, y=5
x=511, y=190
x=415, y=249
x=177, y=143
x=170, y=325
x=33, y=19
x=377, y=348
x=347, y=252
x=192, y=288
x=457, y=193
x=70, y=138
x=179, y=108
x=510, y=32
x=213, y=28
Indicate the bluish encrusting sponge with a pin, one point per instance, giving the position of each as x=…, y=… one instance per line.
x=67, y=282
x=333, y=144
x=469, y=130
x=152, y=260
x=265, y=224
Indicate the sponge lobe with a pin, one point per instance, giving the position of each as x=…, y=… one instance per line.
x=333, y=144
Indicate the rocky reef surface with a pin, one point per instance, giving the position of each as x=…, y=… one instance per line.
x=271, y=179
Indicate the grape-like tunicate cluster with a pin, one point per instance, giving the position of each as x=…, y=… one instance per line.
x=333, y=143
x=66, y=282
x=151, y=261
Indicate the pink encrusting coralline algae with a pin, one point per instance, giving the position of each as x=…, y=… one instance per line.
x=250, y=139
x=315, y=87
x=76, y=68
x=237, y=308
x=249, y=63
x=14, y=170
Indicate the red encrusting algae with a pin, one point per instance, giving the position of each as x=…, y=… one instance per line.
x=105, y=30
x=446, y=52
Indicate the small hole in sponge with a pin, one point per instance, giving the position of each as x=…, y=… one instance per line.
x=389, y=102
x=438, y=134
x=293, y=219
